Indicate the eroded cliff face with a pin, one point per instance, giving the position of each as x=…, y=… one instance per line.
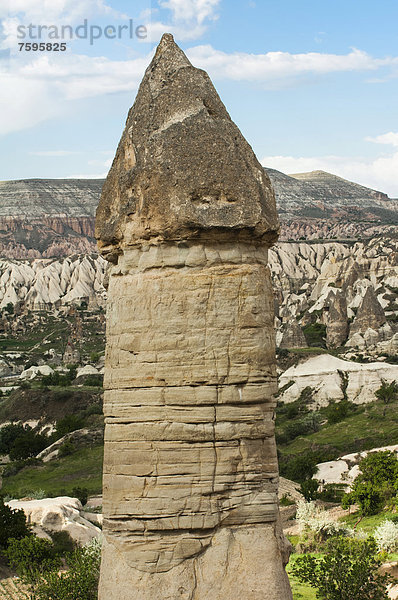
x=190, y=468
x=44, y=218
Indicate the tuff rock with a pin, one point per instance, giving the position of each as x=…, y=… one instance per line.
x=190, y=470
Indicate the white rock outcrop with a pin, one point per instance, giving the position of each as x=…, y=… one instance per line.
x=58, y=514
x=345, y=469
x=326, y=373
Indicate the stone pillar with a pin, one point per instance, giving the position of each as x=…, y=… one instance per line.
x=186, y=218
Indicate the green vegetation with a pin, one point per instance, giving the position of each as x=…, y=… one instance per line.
x=20, y=441
x=60, y=379
x=347, y=571
x=376, y=485
x=37, y=562
x=315, y=334
x=363, y=428
x=12, y=523
x=368, y=524
x=82, y=468
x=301, y=591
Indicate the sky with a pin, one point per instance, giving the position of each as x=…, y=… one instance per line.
x=312, y=84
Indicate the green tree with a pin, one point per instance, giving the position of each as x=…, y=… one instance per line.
x=68, y=424
x=28, y=444
x=387, y=393
x=347, y=571
x=376, y=483
x=309, y=489
x=8, y=435
x=12, y=524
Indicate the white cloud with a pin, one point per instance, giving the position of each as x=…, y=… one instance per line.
x=24, y=103
x=42, y=86
x=278, y=68
x=42, y=89
x=390, y=138
x=189, y=18
x=191, y=10
x=49, y=11
x=378, y=173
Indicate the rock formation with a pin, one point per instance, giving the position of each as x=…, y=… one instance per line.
x=337, y=321
x=292, y=336
x=51, y=515
x=190, y=471
x=42, y=218
x=370, y=314
x=332, y=378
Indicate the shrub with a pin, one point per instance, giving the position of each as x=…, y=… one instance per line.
x=20, y=441
x=80, y=581
x=31, y=557
x=387, y=392
x=376, y=484
x=386, y=536
x=309, y=489
x=315, y=335
x=315, y=519
x=81, y=494
x=308, y=424
x=66, y=449
x=8, y=435
x=67, y=424
x=299, y=468
x=348, y=571
x=338, y=411
x=63, y=543
x=12, y=524
x=93, y=380
x=286, y=501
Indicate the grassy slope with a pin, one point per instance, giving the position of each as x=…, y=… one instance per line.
x=56, y=478
x=364, y=430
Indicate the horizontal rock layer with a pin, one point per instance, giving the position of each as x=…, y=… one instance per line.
x=189, y=441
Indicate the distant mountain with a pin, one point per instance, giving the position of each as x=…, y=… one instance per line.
x=48, y=217
x=322, y=205
x=45, y=218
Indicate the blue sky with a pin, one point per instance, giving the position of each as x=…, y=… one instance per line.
x=311, y=84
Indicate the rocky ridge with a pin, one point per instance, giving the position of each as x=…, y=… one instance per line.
x=319, y=205
x=47, y=217
x=55, y=217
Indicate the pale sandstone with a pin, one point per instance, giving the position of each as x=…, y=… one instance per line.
x=186, y=217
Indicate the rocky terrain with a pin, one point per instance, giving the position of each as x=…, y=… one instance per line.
x=44, y=218
x=47, y=217
x=319, y=205
x=45, y=284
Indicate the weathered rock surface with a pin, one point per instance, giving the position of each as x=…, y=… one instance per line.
x=41, y=218
x=291, y=336
x=337, y=321
x=58, y=514
x=80, y=438
x=331, y=378
x=319, y=205
x=43, y=284
x=370, y=314
x=190, y=469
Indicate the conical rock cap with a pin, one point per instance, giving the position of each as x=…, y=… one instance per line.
x=182, y=169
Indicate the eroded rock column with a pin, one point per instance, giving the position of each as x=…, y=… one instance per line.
x=190, y=474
